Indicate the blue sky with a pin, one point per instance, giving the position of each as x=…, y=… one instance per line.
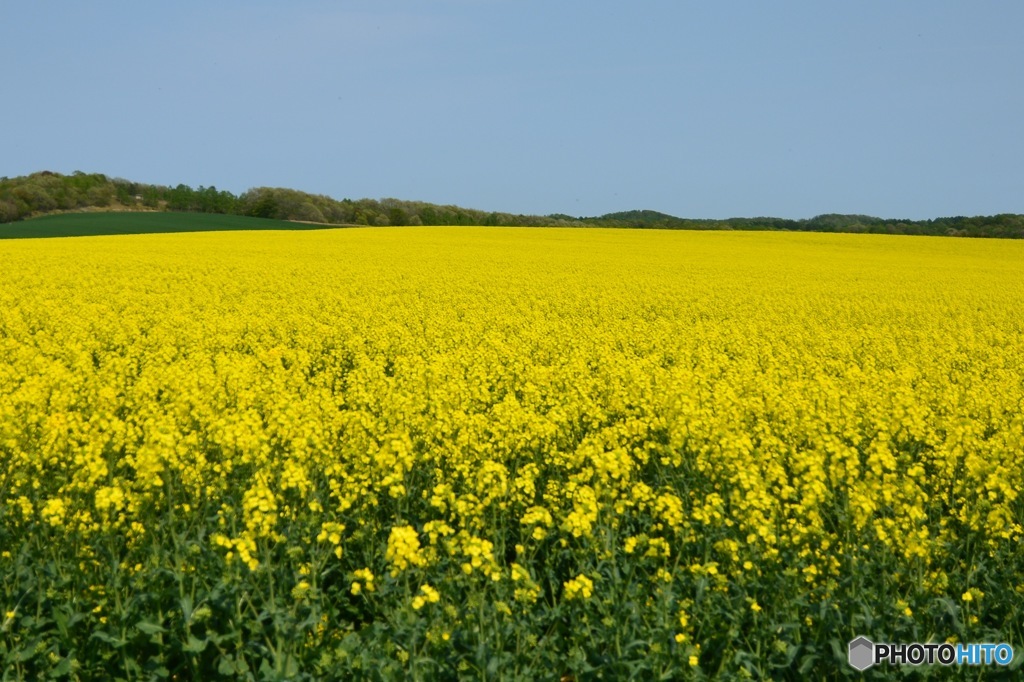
x=911, y=109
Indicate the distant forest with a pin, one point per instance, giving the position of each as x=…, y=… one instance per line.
x=46, y=192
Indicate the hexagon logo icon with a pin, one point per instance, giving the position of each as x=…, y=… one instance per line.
x=861, y=654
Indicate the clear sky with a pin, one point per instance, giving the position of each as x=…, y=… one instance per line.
x=713, y=109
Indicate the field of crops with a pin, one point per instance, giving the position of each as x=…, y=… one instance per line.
x=129, y=222
x=497, y=453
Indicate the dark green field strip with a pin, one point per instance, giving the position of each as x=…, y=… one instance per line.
x=90, y=224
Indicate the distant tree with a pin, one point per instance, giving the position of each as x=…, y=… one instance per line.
x=152, y=196
x=307, y=212
x=8, y=211
x=260, y=203
x=100, y=195
x=35, y=197
x=429, y=216
x=397, y=216
x=181, y=198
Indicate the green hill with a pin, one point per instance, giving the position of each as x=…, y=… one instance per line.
x=100, y=223
x=45, y=193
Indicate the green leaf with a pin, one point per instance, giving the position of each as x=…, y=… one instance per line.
x=62, y=668
x=195, y=645
x=26, y=652
x=226, y=665
x=839, y=649
x=150, y=628
x=61, y=619
x=350, y=643
x=104, y=636
x=186, y=608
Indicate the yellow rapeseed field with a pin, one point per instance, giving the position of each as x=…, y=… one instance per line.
x=517, y=453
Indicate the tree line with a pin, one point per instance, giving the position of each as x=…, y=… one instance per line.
x=1005, y=225
x=46, y=192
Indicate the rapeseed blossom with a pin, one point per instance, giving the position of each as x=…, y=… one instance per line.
x=515, y=418
x=580, y=587
x=403, y=549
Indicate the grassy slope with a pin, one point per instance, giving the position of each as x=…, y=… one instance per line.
x=83, y=224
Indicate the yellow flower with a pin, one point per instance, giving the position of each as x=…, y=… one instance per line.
x=580, y=587
x=526, y=589
x=403, y=549
x=666, y=403
x=430, y=594
x=363, y=577
x=330, y=532
x=53, y=511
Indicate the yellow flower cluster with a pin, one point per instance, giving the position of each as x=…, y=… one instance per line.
x=424, y=395
x=364, y=579
x=428, y=595
x=526, y=590
x=580, y=587
x=480, y=555
x=403, y=549
x=331, y=532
